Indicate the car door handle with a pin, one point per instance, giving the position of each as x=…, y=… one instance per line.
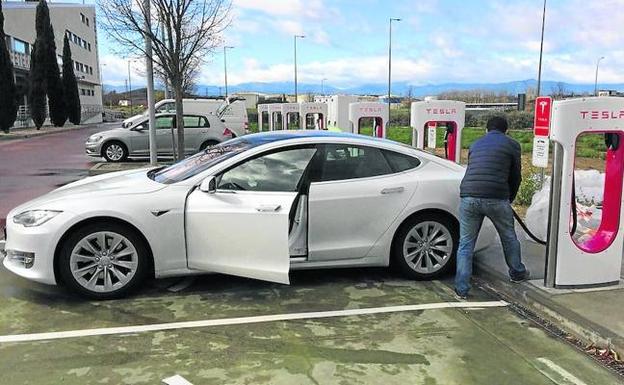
x=393, y=190
x=268, y=208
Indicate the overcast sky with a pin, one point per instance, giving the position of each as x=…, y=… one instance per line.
x=438, y=41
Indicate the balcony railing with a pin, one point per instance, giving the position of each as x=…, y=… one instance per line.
x=20, y=60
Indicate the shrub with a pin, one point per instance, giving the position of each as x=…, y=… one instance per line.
x=529, y=186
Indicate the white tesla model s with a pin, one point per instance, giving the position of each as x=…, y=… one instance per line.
x=256, y=206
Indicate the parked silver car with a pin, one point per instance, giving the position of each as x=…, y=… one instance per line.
x=116, y=145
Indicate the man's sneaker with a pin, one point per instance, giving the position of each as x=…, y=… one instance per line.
x=524, y=277
x=460, y=297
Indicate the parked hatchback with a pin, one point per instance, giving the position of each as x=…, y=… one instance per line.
x=119, y=144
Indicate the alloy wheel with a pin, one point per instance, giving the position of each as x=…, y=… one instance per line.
x=114, y=152
x=428, y=247
x=104, y=261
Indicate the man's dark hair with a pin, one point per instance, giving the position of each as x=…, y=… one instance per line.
x=498, y=123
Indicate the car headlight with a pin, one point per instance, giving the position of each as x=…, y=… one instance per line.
x=94, y=138
x=33, y=218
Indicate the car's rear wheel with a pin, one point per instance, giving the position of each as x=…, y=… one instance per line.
x=208, y=143
x=114, y=151
x=103, y=261
x=425, y=246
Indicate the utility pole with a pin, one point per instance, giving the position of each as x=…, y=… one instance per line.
x=130, y=87
x=149, y=67
x=225, y=48
x=539, y=70
x=295, y=38
x=596, y=82
x=390, y=66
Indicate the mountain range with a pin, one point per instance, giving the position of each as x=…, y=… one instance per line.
x=398, y=88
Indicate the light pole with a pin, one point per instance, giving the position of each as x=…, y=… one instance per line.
x=539, y=70
x=295, y=40
x=323, y=86
x=596, y=81
x=130, y=86
x=225, y=48
x=151, y=108
x=390, y=66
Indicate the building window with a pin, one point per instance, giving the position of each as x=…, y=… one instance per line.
x=89, y=46
x=77, y=65
x=87, y=21
x=90, y=70
x=82, y=18
x=20, y=46
x=82, y=91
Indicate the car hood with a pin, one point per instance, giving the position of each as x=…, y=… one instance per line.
x=133, y=119
x=116, y=183
x=115, y=132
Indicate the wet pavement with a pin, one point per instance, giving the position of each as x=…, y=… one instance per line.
x=437, y=346
x=34, y=166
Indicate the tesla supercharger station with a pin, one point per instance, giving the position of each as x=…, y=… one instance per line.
x=290, y=111
x=275, y=117
x=427, y=115
x=594, y=259
x=377, y=111
x=262, y=109
x=313, y=116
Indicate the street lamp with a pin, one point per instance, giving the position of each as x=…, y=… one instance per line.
x=390, y=65
x=596, y=81
x=295, y=39
x=225, y=48
x=130, y=85
x=539, y=70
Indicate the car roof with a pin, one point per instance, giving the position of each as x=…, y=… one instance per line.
x=275, y=136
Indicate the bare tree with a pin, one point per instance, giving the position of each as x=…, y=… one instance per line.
x=559, y=91
x=183, y=34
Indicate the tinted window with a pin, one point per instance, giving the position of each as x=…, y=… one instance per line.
x=164, y=122
x=195, y=121
x=342, y=161
x=400, y=162
x=278, y=171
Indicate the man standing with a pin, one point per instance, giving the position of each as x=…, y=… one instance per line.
x=489, y=186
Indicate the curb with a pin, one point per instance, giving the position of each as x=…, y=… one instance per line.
x=17, y=135
x=535, y=300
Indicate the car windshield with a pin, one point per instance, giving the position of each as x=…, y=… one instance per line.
x=201, y=161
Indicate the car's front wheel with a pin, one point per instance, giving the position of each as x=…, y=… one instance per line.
x=425, y=246
x=103, y=261
x=114, y=151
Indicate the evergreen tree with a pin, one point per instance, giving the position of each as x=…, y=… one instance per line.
x=37, y=98
x=70, y=85
x=46, y=70
x=8, y=102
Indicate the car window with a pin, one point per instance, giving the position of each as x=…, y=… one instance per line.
x=192, y=121
x=277, y=171
x=167, y=107
x=164, y=122
x=400, y=162
x=343, y=161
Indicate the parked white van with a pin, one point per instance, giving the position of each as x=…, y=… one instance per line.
x=234, y=116
x=191, y=106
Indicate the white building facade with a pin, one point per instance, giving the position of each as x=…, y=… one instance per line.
x=78, y=22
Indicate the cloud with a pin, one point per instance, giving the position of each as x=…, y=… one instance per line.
x=115, y=71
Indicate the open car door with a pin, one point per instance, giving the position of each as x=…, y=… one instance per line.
x=241, y=228
x=242, y=233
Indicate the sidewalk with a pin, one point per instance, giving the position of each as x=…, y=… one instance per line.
x=593, y=315
x=31, y=132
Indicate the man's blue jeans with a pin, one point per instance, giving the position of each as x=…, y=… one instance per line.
x=472, y=211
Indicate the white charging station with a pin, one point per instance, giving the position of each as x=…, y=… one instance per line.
x=262, y=109
x=377, y=111
x=275, y=117
x=313, y=116
x=596, y=259
x=290, y=112
x=425, y=117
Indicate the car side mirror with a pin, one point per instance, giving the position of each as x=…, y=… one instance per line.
x=138, y=128
x=209, y=185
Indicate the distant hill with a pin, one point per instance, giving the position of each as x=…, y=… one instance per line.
x=398, y=88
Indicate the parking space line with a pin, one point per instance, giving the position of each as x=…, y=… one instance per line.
x=244, y=320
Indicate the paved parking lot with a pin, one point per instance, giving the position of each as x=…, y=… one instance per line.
x=435, y=346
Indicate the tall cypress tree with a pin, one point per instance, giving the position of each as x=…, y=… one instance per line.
x=70, y=85
x=46, y=66
x=8, y=102
x=37, y=96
